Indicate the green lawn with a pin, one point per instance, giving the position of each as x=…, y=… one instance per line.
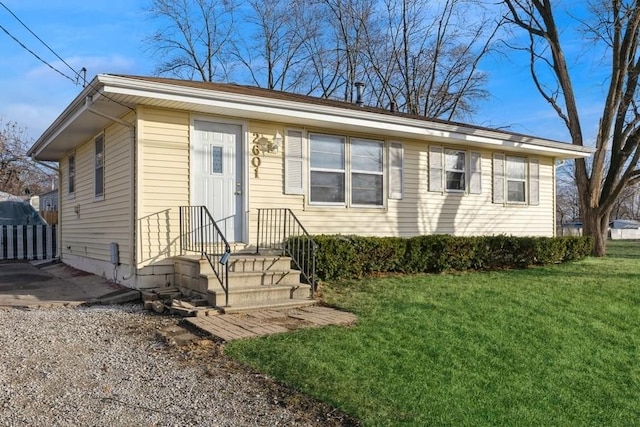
x=548, y=346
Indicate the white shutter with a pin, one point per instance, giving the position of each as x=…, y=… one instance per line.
x=435, y=169
x=395, y=170
x=534, y=182
x=293, y=163
x=475, y=172
x=498, y=178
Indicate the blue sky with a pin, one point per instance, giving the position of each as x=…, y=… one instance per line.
x=107, y=37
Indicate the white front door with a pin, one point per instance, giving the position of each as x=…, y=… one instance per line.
x=216, y=175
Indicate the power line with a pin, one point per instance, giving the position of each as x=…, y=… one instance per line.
x=36, y=55
x=85, y=83
x=41, y=41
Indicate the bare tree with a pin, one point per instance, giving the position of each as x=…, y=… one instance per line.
x=430, y=64
x=627, y=205
x=614, y=25
x=274, y=57
x=194, y=39
x=423, y=56
x=19, y=175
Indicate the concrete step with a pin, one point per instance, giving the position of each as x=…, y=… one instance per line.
x=193, y=265
x=269, y=305
x=257, y=295
x=254, y=279
x=248, y=263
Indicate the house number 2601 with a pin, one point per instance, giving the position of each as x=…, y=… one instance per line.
x=256, y=161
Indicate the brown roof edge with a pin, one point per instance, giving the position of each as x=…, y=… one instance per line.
x=286, y=96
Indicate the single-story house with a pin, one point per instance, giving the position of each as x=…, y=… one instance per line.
x=624, y=229
x=133, y=150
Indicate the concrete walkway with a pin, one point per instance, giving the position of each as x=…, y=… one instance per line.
x=23, y=284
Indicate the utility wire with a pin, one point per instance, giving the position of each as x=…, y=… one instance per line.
x=85, y=83
x=36, y=55
x=42, y=41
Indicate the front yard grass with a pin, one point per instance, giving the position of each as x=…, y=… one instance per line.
x=558, y=345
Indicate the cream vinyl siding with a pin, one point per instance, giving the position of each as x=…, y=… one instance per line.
x=163, y=164
x=97, y=223
x=419, y=211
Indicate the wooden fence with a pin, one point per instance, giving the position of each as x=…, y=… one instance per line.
x=29, y=242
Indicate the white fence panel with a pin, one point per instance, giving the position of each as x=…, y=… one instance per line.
x=30, y=242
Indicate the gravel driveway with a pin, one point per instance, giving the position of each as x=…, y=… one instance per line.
x=102, y=365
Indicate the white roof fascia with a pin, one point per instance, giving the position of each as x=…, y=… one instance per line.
x=297, y=111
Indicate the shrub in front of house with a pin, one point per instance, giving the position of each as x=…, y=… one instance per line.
x=349, y=257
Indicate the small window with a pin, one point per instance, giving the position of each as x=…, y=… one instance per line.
x=516, y=179
x=366, y=172
x=455, y=170
x=216, y=159
x=327, y=163
x=99, y=167
x=71, y=172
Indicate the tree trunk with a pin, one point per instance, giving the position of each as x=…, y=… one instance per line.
x=595, y=223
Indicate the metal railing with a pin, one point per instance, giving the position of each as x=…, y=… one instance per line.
x=280, y=230
x=199, y=233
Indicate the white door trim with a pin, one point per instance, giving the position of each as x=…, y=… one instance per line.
x=244, y=162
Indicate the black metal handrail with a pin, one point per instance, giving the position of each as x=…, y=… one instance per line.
x=199, y=233
x=280, y=230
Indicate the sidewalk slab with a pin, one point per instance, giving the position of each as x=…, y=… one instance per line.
x=23, y=284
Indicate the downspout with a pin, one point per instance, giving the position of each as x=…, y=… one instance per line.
x=132, y=130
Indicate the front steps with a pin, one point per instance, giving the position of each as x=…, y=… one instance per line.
x=255, y=282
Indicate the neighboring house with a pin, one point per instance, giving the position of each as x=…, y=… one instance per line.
x=624, y=229
x=571, y=229
x=132, y=150
x=49, y=201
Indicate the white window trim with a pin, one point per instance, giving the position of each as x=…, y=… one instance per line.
x=349, y=187
x=437, y=164
x=464, y=170
x=343, y=171
x=508, y=179
x=501, y=179
x=348, y=171
x=100, y=196
x=71, y=194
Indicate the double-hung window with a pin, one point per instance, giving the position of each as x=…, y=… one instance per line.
x=99, y=167
x=71, y=174
x=346, y=171
x=454, y=171
x=455, y=167
x=366, y=172
x=327, y=169
x=516, y=179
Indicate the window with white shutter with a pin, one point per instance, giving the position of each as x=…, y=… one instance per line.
x=293, y=162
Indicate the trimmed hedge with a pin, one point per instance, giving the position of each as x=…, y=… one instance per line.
x=349, y=257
